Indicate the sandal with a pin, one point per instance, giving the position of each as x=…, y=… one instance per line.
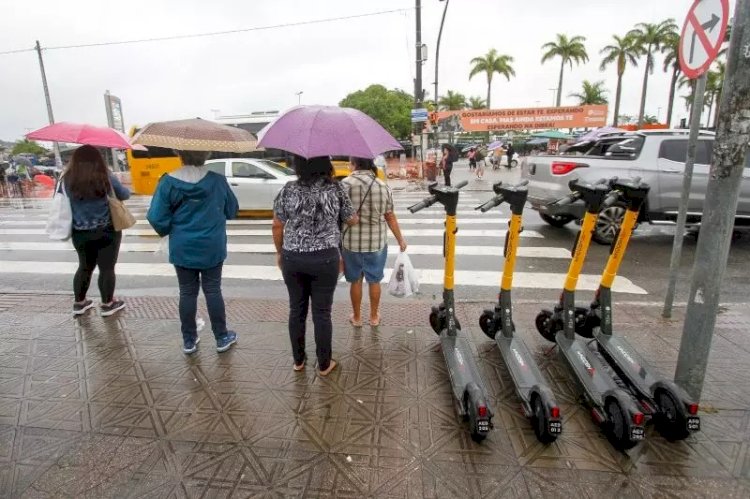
x=331, y=366
x=376, y=322
x=353, y=322
x=299, y=367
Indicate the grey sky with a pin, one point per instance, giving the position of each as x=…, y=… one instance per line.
x=263, y=70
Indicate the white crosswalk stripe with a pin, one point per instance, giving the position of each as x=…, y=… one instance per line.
x=25, y=248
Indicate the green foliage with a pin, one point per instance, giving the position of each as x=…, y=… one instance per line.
x=622, y=51
x=452, y=101
x=28, y=147
x=390, y=108
x=650, y=37
x=567, y=49
x=477, y=103
x=591, y=94
x=492, y=63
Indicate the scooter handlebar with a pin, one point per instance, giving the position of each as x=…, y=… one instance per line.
x=425, y=203
x=611, y=199
x=461, y=185
x=490, y=204
x=569, y=199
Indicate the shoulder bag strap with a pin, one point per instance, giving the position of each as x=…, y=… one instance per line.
x=362, y=203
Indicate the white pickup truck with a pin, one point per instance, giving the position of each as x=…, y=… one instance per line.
x=657, y=156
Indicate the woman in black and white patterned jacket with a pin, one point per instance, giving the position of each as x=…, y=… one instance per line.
x=308, y=215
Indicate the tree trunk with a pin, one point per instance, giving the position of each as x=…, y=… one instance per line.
x=559, y=84
x=710, y=110
x=716, y=111
x=489, y=89
x=672, y=89
x=642, y=111
x=617, y=99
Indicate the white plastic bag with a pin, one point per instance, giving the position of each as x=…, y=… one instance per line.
x=163, y=248
x=60, y=221
x=404, y=281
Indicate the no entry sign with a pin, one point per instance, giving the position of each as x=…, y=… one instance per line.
x=703, y=35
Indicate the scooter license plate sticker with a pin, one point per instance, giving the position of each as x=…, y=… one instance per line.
x=694, y=423
x=555, y=427
x=483, y=426
x=637, y=433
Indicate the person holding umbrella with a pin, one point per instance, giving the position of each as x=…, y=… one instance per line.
x=191, y=205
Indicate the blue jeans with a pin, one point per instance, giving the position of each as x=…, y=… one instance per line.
x=191, y=280
x=311, y=279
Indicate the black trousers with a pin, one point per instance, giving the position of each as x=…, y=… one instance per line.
x=447, y=173
x=311, y=280
x=96, y=248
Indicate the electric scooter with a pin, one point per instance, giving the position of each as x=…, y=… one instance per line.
x=537, y=401
x=612, y=407
x=672, y=410
x=468, y=387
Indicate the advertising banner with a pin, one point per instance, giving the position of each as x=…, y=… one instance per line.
x=114, y=112
x=536, y=118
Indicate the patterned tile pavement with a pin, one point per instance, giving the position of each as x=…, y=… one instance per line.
x=111, y=408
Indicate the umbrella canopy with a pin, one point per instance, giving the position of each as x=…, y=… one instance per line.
x=495, y=145
x=551, y=134
x=196, y=135
x=77, y=133
x=596, y=133
x=537, y=142
x=312, y=131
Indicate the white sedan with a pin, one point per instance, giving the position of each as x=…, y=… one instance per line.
x=255, y=182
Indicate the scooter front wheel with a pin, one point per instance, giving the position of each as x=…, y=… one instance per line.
x=487, y=323
x=671, y=419
x=545, y=324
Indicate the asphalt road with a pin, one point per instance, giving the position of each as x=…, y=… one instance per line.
x=29, y=261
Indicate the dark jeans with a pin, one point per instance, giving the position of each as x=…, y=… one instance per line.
x=447, y=173
x=96, y=248
x=191, y=280
x=311, y=279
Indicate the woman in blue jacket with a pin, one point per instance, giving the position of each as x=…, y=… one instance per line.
x=191, y=206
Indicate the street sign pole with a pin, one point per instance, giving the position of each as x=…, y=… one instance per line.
x=695, y=124
x=55, y=146
x=730, y=157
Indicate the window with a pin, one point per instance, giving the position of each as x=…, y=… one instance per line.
x=247, y=170
x=216, y=167
x=277, y=167
x=676, y=150
x=629, y=148
x=153, y=152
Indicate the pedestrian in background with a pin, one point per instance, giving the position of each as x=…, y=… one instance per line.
x=365, y=247
x=446, y=163
x=307, y=216
x=87, y=183
x=472, y=158
x=510, y=152
x=191, y=206
x=480, y=163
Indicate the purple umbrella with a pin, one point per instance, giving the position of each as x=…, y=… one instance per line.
x=312, y=131
x=598, y=132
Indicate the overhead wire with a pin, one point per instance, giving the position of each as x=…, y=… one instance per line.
x=216, y=33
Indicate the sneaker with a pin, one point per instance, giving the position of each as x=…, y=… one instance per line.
x=225, y=342
x=81, y=308
x=191, y=346
x=112, y=308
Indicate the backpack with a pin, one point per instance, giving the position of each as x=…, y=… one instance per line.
x=479, y=156
x=453, y=154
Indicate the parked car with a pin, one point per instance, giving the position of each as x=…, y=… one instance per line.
x=657, y=156
x=255, y=182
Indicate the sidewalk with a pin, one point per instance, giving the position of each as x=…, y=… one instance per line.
x=111, y=408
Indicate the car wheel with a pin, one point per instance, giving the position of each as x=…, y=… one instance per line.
x=514, y=163
x=557, y=220
x=608, y=224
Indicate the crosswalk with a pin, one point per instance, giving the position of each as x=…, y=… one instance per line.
x=25, y=248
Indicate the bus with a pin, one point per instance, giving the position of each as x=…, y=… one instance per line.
x=147, y=167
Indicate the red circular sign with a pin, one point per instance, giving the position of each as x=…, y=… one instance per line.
x=703, y=35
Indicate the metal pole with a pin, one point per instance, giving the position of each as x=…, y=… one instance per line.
x=55, y=147
x=418, y=79
x=111, y=124
x=699, y=89
x=437, y=52
x=725, y=176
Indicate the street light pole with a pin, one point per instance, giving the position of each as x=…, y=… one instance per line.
x=730, y=158
x=50, y=116
x=437, y=51
x=554, y=96
x=299, y=97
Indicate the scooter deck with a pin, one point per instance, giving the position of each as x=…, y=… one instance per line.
x=462, y=367
x=589, y=370
x=639, y=375
x=521, y=365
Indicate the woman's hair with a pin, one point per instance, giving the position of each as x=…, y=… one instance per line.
x=87, y=176
x=363, y=164
x=193, y=158
x=310, y=170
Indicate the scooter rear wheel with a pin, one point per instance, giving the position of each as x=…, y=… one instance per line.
x=470, y=405
x=617, y=426
x=671, y=418
x=540, y=421
x=487, y=323
x=545, y=325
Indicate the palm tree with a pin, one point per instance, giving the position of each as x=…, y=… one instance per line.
x=622, y=51
x=477, y=103
x=671, y=48
x=492, y=63
x=714, y=86
x=591, y=94
x=452, y=101
x=650, y=38
x=568, y=50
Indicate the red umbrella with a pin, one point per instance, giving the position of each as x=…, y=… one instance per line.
x=76, y=133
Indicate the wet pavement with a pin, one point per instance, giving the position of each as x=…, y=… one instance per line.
x=111, y=408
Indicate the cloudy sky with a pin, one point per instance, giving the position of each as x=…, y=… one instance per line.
x=264, y=69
